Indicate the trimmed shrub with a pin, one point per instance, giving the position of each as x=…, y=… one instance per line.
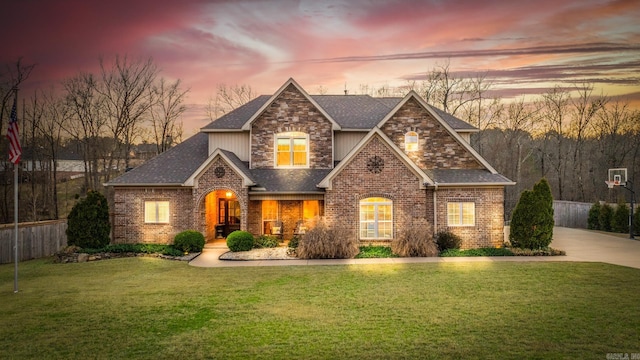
x=532, y=219
x=266, y=241
x=593, y=222
x=447, y=240
x=88, y=222
x=620, y=219
x=240, y=241
x=606, y=214
x=415, y=241
x=324, y=243
x=189, y=241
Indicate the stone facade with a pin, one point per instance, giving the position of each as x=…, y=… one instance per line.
x=356, y=182
x=128, y=216
x=437, y=148
x=489, y=212
x=291, y=111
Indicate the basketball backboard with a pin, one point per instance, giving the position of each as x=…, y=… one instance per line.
x=617, y=177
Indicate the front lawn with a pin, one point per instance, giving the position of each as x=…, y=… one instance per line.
x=151, y=308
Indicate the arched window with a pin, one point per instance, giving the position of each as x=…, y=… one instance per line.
x=376, y=218
x=411, y=141
x=292, y=150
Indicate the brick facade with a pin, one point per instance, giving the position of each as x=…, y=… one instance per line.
x=437, y=148
x=291, y=111
x=128, y=216
x=489, y=212
x=395, y=181
x=392, y=178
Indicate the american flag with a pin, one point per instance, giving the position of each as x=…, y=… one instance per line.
x=13, y=135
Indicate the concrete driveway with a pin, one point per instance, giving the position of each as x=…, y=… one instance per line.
x=583, y=245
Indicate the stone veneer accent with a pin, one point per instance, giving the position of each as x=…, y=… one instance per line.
x=395, y=182
x=128, y=216
x=489, y=228
x=291, y=111
x=438, y=148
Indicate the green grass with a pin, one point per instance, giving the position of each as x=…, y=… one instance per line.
x=477, y=252
x=370, y=251
x=151, y=308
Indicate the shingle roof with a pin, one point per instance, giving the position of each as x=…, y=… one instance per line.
x=466, y=176
x=349, y=111
x=173, y=166
x=241, y=165
x=289, y=180
x=236, y=118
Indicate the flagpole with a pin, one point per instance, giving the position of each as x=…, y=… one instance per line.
x=15, y=225
x=15, y=213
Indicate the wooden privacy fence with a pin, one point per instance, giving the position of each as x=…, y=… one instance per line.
x=35, y=240
x=571, y=214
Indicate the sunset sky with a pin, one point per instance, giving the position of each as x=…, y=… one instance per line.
x=525, y=46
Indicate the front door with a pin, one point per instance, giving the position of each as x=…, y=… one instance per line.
x=228, y=216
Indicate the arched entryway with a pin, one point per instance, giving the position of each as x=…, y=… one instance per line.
x=223, y=213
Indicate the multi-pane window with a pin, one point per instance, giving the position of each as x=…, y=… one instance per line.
x=461, y=214
x=269, y=215
x=156, y=212
x=411, y=141
x=292, y=149
x=376, y=218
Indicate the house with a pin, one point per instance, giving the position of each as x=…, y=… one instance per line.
x=280, y=162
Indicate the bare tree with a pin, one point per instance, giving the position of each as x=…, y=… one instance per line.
x=555, y=122
x=228, y=98
x=584, y=109
x=56, y=116
x=165, y=113
x=125, y=88
x=88, y=124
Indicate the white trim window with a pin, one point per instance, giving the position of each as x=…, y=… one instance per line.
x=411, y=141
x=292, y=150
x=156, y=212
x=376, y=218
x=461, y=213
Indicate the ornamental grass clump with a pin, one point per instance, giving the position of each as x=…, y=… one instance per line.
x=322, y=242
x=415, y=241
x=240, y=241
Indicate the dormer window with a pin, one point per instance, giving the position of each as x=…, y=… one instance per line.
x=292, y=150
x=411, y=141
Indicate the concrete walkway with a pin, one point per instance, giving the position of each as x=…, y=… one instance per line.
x=580, y=245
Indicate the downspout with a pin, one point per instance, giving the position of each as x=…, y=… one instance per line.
x=435, y=209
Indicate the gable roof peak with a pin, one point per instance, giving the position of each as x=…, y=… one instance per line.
x=291, y=81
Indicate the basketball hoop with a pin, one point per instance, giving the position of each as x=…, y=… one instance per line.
x=610, y=184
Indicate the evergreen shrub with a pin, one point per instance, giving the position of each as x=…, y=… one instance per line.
x=620, y=219
x=605, y=218
x=88, y=222
x=532, y=219
x=447, y=240
x=189, y=241
x=593, y=219
x=240, y=241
